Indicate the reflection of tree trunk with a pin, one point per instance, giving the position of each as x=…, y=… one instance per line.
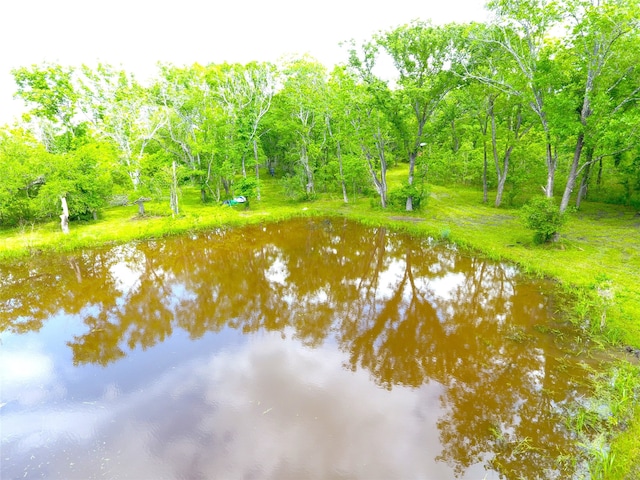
x=384, y=343
x=476, y=285
x=64, y=218
x=73, y=263
x=369, y=278
x=377, y=254
x=408, y=274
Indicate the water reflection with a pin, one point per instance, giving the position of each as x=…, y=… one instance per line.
x=446, y=376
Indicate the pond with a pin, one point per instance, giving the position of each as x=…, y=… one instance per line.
x=313, y=349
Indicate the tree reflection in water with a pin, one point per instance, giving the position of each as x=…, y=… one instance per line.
x=407, y=311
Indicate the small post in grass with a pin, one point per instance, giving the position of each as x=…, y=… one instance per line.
x=140, y=203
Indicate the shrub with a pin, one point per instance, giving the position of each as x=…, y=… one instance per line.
x=397, y=198
x=543, y=216
x=246, y=187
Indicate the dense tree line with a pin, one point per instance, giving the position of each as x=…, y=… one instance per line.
x=543, y=99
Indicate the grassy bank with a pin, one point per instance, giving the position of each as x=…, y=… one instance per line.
x=596, y=261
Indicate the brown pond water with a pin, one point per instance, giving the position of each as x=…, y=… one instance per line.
x=307, y=349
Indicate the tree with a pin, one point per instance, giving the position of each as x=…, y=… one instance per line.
x=498, y=109
x=21, y=161
x=184, y=100
x=425, y=58
x=602, y=46
x=522, y=32
x=516, y=130
x=81, y=177
x=51, y=92
x=77, y=175
x=302, y=101
x=120, y=109
x=371, y=129
x=353, y=124
x=247, y=91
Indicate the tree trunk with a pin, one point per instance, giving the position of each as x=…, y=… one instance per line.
x=383, y=171
x=599, y=177
x=485, y=186
x=484, y=125
x=135, y=178
x=383, y=185
x=573, y=173
x=501, y=172
x=551, y=171
x=500, y=190
x=64, y=218
x=255, y=157
x=380, y=184
x=584, y=183
x=412, y=166
x=342, y=182
x=304, y=159
x=174, y=191
x=226, y=186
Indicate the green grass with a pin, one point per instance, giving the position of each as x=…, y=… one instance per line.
x=596, y=260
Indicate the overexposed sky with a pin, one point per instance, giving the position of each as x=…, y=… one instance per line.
x=137, y=34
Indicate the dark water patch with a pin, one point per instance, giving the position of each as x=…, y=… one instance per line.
x=306, y=349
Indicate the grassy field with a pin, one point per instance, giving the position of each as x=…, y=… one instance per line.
x=596, y=260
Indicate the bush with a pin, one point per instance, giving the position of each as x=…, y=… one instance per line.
x=397, y=198
x=246, y=187
x=543, y=216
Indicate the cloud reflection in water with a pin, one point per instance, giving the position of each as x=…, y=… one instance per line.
x=270, y=409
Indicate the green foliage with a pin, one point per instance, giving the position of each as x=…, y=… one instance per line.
x=543, y=216
x=49, y=90
x=293, y=186
x=83, y=176
x=397, y=197
x=21, y=163
x=615, y=393
x=246, y=187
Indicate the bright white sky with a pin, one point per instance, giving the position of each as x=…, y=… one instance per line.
x=136, y=34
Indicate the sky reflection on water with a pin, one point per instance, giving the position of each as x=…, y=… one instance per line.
x=309, y=349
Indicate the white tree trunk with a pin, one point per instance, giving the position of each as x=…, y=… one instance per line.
x=255, y=156
x=64, y=218
x=174, y=191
